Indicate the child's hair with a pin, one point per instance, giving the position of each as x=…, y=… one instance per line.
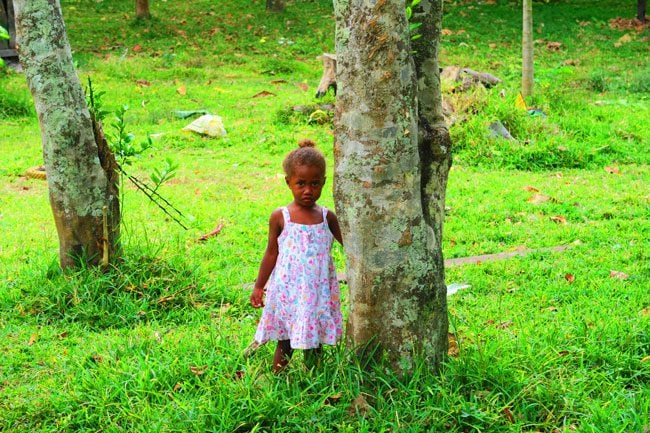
x=306, y=154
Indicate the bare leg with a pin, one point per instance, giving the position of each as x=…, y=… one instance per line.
x=282, y=355
x=313, y=357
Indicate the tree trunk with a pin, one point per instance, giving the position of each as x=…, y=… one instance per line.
x=142, y=9
x=527, y=50
x=391, y=168
x=640, y=10
x=80, y=169
x=275, y=5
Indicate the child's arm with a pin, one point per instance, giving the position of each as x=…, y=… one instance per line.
x=270, y=257
x=333, y=223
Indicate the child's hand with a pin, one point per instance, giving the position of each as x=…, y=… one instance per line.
x=257, y=298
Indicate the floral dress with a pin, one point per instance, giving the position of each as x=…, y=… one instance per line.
x=303, y=301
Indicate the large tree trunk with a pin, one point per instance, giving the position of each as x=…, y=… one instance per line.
x=142, y=9
x=527, y=49
x=390, y=174
x=275, y=5
x=80, y=169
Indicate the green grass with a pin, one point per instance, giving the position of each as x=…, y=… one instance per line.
x=157, y=343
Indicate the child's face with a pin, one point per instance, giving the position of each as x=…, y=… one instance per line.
x=306, y=184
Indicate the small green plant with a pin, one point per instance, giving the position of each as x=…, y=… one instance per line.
x=123, y=145
x=413, y=27
x=4, y=35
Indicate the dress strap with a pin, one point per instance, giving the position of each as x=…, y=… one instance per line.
x=285, y=214
x=324, y=213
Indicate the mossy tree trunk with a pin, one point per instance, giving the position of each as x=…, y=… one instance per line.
x=142, y=9
x=80, y=168
x=392, y=153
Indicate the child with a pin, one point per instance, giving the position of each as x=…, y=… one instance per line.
x=303, y=304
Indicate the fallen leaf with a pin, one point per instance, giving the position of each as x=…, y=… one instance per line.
x=623, y=40
x=32, y=339
x=619, y=275
x=492, y=46
x=359, y=406
x=539, y=199
x=143, y=83
x=612, y=170
x=563, y=353
x=239, y=374
x=332, y=399
x=551, y=309
x=570, y=278
x=214, y=232
x=571, y=62
x=182, y=90
x=64, y=334
x=508, y=413
x=263, y=94
x=446, y=32
x=278, y=81
x=453, y=350
x=198, y=371
x=98, y=359
x=645, y=312
x=303, y=86
x=178, y=387
x=645, y=359
x=137, y=48
x=504, y=325
x=530, y=189
x=559, y=219
x=554, y=46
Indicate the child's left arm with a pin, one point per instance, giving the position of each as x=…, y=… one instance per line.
x=333, y=223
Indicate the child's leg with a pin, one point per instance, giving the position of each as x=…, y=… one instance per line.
x=313, y=357
x=282, y=355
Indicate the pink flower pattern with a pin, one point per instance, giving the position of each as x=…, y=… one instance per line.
x=303, y=300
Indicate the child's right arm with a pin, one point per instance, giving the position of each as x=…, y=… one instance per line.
x=276, y=223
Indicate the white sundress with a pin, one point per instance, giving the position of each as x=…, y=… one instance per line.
x=303, y=300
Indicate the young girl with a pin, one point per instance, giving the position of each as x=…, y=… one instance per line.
x=303, y=305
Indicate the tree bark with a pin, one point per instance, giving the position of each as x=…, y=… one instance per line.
x=80, y=168
x=391, y=164
x=142, y=9
x=275, y=5
x=527, y=49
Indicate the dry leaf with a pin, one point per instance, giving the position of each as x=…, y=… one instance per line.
x=492, y=46
x=623, y=40
x=263, y=94
x=554, y=46
x=570, y=278
x=563, y=353
x=178, y=387
x=182, y=90
x=332, y=399
x=453, y=350
x=645, y=312
x=558, y=219
x=508, y=413
x=446, y=32
x=142, y=83
x=646, y=359
x=359, y=406
x=551, y=309
x=198, y=371
x=278, y=81
x=303, y=86
x=98, y=359
x=64, y=334
x=538, y=198
x=32, y=339
x=530, y=189
x=612, y=170
x=619, y=275
x=137, y=48
x=504, y=325
x=239, y=374
x=214, y=232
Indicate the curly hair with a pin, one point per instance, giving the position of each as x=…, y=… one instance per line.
x=306, y=154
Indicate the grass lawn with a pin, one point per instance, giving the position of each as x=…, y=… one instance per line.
x=549, y=342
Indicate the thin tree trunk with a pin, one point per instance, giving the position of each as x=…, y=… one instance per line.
x=640, y=10
x=527, y=49
x=383, y=187
x=275, y=5
x=142, y=9
x=80, y=168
